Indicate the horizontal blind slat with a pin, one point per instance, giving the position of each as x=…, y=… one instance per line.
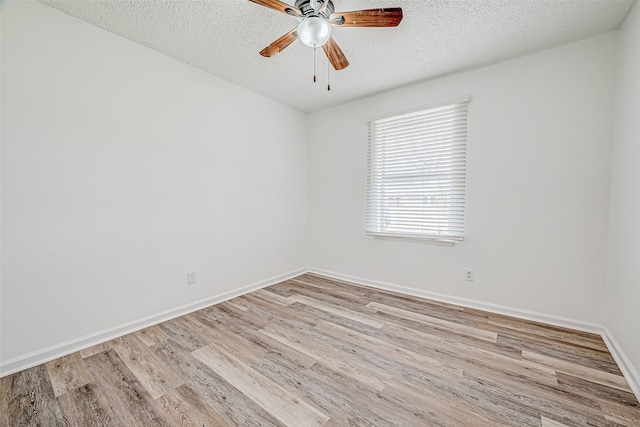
x=426, y=135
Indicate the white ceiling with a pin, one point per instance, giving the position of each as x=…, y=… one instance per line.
x=435, y=37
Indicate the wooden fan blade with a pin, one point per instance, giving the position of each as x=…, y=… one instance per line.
x=281, y=44
x=389, y=17
x=275, y=5
x=335, y=54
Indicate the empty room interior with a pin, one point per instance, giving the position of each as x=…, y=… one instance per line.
x=320, y=213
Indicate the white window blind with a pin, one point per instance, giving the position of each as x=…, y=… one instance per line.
x=416, y=173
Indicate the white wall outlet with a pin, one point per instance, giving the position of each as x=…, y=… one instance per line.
x=469, y=275
x=191, y=278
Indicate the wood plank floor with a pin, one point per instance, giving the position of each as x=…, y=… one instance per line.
x=317, y=352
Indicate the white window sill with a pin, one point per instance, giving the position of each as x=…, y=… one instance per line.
x=416, y=238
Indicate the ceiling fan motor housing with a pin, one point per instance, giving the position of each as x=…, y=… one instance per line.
x=306, y=8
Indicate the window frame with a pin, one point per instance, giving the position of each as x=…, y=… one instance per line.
x=375, y=214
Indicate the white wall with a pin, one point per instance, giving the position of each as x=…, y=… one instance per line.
x=537, y=191
x=122, y=169
x=623, y=284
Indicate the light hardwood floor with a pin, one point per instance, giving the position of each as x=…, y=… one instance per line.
x=317, y=352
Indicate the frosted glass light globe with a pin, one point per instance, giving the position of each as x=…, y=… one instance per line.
x=314, y=31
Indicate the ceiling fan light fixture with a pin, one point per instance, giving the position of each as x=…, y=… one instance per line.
x=314, y=31
x=316, y=19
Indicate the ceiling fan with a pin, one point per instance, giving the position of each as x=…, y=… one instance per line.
x=316, y=19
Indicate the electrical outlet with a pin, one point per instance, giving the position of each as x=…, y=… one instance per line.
x=469, y=275
x=191, y=278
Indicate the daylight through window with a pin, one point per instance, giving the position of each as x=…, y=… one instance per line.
x=416, y=173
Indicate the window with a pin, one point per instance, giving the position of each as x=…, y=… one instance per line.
x=416, y=173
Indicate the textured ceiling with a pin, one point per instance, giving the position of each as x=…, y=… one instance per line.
x=435, y=37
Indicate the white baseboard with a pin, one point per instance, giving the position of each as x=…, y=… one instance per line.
x=629, y=372
x=37, y=357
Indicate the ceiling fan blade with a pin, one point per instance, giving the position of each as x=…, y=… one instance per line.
x=335, y=54
x=276, y=5
x=281, y=44
x=389, y=17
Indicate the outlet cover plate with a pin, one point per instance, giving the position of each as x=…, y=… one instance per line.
x=469, y=275
x=191, y=278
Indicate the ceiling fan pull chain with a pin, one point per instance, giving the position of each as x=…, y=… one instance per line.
x=314, y=64
x=328, y=75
